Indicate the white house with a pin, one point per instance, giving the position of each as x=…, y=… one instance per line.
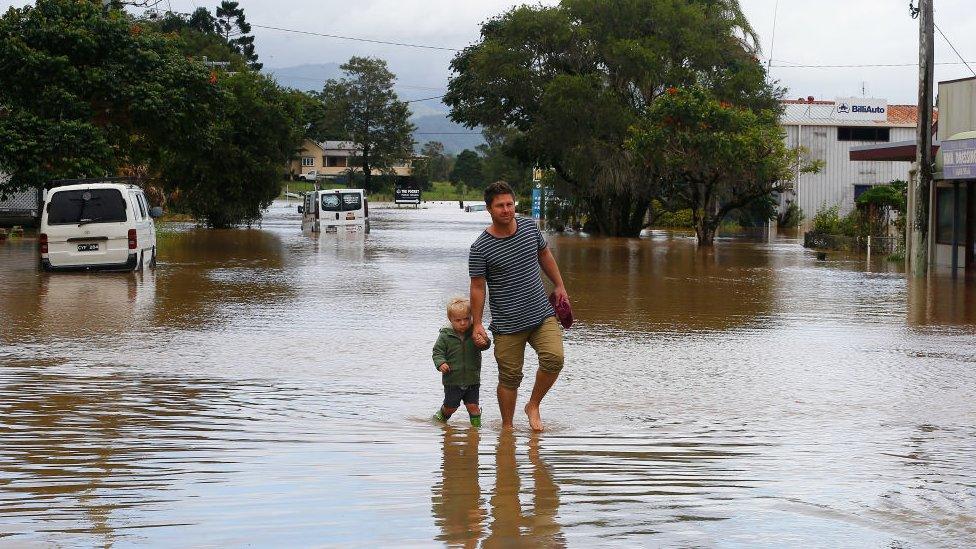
x=827, y=130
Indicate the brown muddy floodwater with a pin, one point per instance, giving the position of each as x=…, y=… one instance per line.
x=271, y=389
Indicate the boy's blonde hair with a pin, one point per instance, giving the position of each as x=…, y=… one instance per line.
x=459, y=306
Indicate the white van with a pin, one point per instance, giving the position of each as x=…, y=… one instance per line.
x=335, y=210
x=97, y=226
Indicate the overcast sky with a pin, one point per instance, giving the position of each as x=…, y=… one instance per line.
x=821, y=32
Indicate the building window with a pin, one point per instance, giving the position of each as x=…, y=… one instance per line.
x=860, y=189
x=943, y=215
x=863, y=133
x=335, y=161
x=308, y=161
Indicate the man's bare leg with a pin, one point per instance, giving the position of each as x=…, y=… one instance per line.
x=543, y=382
x=506, y=405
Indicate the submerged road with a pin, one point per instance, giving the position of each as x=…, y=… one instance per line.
x=269, y=388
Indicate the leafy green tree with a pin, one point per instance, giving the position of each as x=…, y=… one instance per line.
x=85, y=92
x=713, y=157
x=439, y=162
x=234, y=173
x=234, y=28
x=499, y=161
x=467, y=170
x=197, y=36
x=573, y=78
x=363, y=108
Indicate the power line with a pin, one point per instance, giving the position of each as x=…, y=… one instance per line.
x=447, y=133
x=954, y=49
x=425, y=99
x=859, y=66
x=353, y=38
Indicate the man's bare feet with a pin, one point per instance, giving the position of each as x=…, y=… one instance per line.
x=535, y=419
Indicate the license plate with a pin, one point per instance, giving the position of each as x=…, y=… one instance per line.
x=350, y=217
x=87, y=247
x=331, y=229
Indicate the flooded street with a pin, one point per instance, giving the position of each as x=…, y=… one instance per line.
x=265, y=387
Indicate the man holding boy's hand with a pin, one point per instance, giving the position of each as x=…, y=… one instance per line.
x=507, y=260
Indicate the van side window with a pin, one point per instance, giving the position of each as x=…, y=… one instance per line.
x=143, y=205
x=140, y=214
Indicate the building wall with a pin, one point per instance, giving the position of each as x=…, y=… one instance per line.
x=308, y=149
x=956, y=100
x=834, y=185
x=317, y=154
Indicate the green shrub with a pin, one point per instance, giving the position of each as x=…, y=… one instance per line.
x=792, y=217
x=680, y=219
x=827, y=220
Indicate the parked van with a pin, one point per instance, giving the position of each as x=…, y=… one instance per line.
x=334, y=210
x=97, y=226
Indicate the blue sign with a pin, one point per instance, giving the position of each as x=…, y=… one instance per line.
x=958, y=159
x=537, y=203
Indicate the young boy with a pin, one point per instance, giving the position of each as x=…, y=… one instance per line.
x=457, y=356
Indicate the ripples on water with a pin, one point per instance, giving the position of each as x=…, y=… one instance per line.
x=263, y=387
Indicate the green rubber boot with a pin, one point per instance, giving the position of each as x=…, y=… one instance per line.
x=476, y=421
x=439, y=416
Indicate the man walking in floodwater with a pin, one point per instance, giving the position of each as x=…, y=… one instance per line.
x=507, y=258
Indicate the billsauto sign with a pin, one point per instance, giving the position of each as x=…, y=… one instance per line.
x=861, y=108
x=868, y=109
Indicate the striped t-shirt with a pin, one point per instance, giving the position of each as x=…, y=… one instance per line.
x=516, y=297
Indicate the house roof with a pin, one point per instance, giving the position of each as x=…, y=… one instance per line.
x=821, y=113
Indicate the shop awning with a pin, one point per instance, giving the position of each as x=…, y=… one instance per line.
x=898, y=151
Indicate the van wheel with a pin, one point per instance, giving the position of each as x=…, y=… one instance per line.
x=142, y=256
x=152, y=261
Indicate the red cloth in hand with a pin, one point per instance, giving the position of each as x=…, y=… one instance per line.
x=564, y=311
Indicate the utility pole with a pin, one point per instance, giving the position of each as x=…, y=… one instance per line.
x=917, y=238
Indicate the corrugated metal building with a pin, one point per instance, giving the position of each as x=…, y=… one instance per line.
x=828, y=136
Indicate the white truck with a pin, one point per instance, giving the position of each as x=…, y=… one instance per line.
x=312, y=175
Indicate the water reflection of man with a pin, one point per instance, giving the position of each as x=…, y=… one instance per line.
x=457, y=499
x=509, y=526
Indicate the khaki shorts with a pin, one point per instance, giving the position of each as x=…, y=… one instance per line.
x=546, y=339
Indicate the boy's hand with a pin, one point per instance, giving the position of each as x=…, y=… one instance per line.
x=480, y=336
x=444, y=368
x=481, y=342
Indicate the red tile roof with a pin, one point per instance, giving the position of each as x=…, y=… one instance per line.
x=902, y=115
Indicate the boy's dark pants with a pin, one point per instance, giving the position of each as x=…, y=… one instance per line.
x=454, y=394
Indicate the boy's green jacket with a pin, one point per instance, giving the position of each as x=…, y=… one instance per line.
x=463, y=357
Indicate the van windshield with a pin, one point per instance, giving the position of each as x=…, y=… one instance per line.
x=86, y=206
x=342, y=202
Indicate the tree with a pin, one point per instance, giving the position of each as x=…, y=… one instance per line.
x=467, y=170
x=90, y=93
x=231, y=24
x=86, y=92
x=713, y=157
x=363, y=108
x=572, y=79
x=235, y=172
x=198, y=36
x=438, y=161
x=499, y=161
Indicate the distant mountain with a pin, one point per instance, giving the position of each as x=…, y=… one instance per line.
x=437, y=127
x=430, y=117
x=305, y=77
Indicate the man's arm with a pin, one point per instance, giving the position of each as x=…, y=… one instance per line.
x=478, y=308
x=548, y=264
